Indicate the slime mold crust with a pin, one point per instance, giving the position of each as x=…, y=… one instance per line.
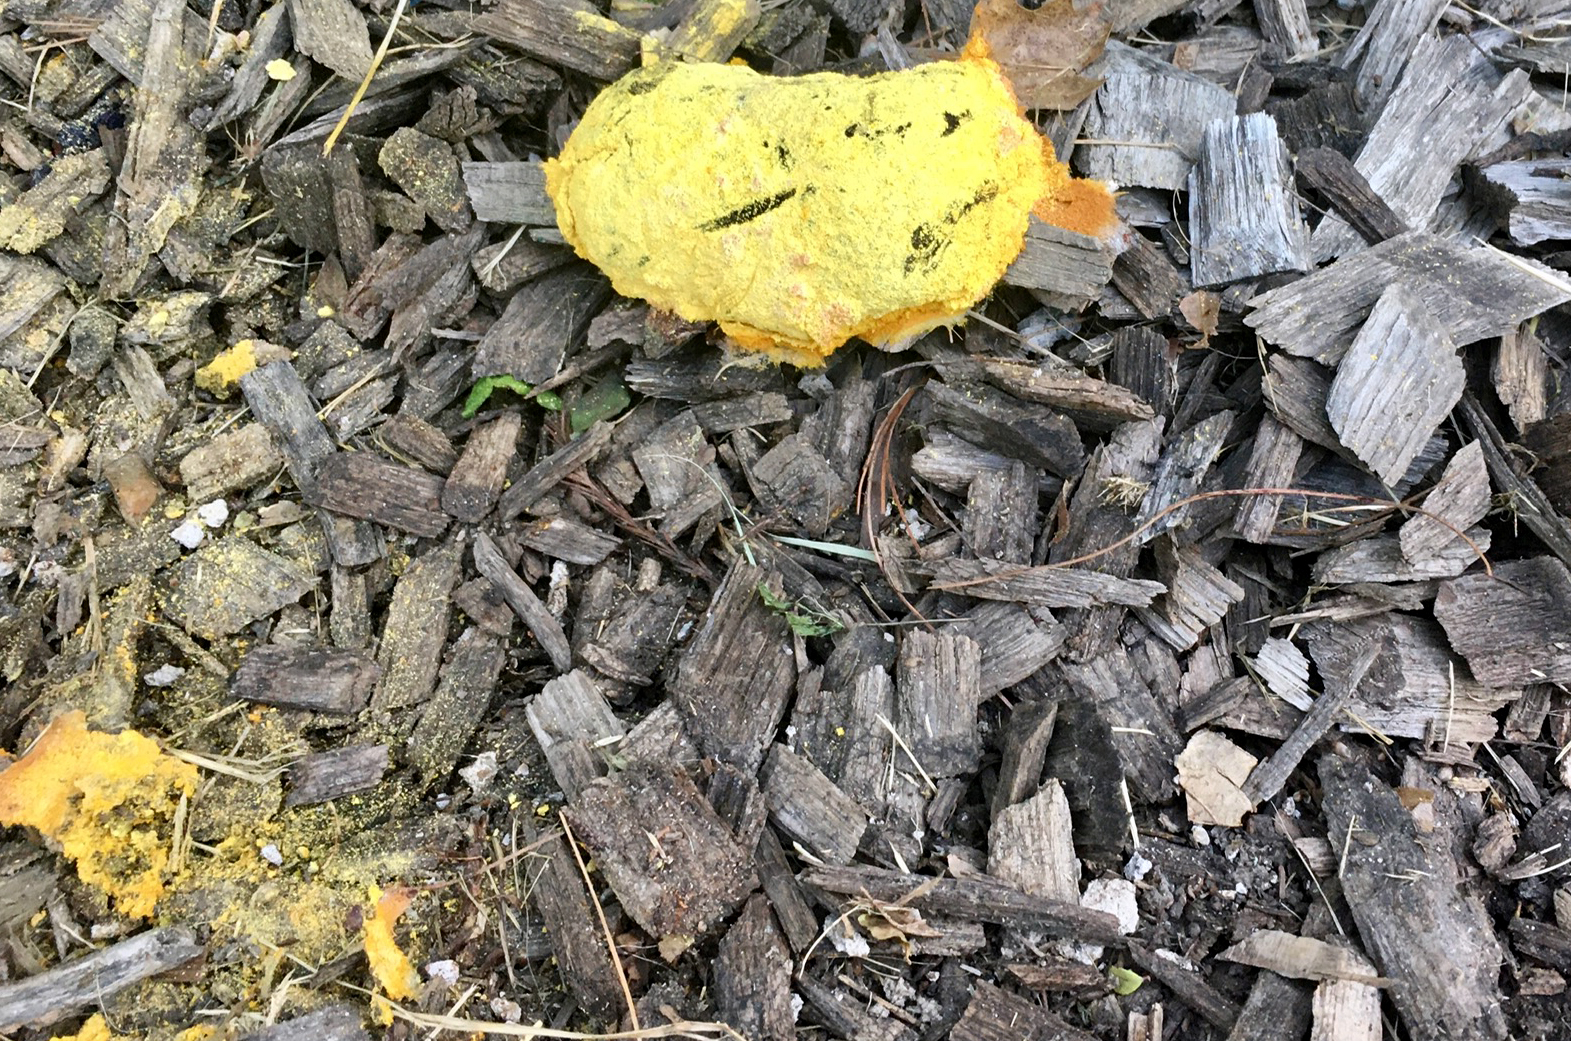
x=800, y=212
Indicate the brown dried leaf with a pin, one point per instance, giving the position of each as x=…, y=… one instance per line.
x=1202, y=310
x=1043, y=51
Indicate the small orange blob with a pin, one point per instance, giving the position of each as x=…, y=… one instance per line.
x=389, y=965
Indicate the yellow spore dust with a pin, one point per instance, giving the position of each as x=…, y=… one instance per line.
x=389, y=965
x=800, y=212
x=109, y=800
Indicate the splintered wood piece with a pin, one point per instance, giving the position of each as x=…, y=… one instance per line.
x=1400, y=886
x=1186, y=460
x=41, y=213
x=1513, y=627
x=56, y=993
x=1032, y=846
x=1010, y=427
x=1510, y=477
x=1001, y=517
x=1333, y=175
x=843, y=1016
x=673, y=863
x=324, y=776
x=1142, y=730
x=1342, y=1009
x=564, y=538
x=790, y=904
x=334, y=33
x=751, y=410
x=230, y=461
x=336, y=682
x=1379, y=558
x=553, y=469
x=733, y=680
x=938, y=690
x=525, y=604
x=1532, y=192
x=676, y=462
x=631, y=642
x=360, y=485
x=339, y=1022
x=1278, y=1009
x=1048, y=586
x=1473, y=293
x=1285, y=23
x=1457, y=501
x=1273, y=460
x=1398, y=380
x=416, y=630
x=1026, y=737
x=1451, y=103
x=1385, y=43
x=571, y=719
x=975, y=899
x=427, y=171
x=1189, y=987
x=1520, y=373
x=1146, y=120
x=512, y=193
x=477, y=477
x=1285, y=671
x=542, y=320
x=1062, y=976
x=460, y=701
x=752, y=978
x=576, y=938
x=1198, y=596
x=1066, y=266
x=228, y=584
x=1093, y=404
x=997, y=1015
x=1302, y=958
x=278, y=399
x=1342, y=677
x=808, y=808
x=1244, y=219
x=794, y=478
x=418, y=440
x=1141, y=362
x=572, y=33
x=1015, y=641
x=1148, y=280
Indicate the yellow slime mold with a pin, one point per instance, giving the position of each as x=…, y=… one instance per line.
x=801, y=212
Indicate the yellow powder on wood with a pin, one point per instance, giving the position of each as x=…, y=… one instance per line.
x=108, y=800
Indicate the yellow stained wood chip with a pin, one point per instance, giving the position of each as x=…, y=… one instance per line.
x=800, y=212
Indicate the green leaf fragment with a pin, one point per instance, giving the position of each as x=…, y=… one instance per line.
x=485, y=387
x=1125, y=981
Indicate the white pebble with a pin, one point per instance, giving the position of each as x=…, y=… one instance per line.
x=189, y=534
x=270, y=854
x=163, y=676
x=214, y=513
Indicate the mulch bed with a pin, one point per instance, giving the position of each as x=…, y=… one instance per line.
x=1175, y=650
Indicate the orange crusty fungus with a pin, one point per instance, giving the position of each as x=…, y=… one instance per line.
x=389, y=965
x=109, y=800
x=800, y=212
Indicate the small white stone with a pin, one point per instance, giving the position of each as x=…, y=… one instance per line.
x=189, y=534
x=507, y=1011
x=853, y=946
x=445, y=972
x=479, y=774
x=214, y=513
x=163, y=676
x=1116, y=896
x=1137, y=867
x=1199, y=835
x=270, y=854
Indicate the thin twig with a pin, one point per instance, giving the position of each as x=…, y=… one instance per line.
x=605, y=927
